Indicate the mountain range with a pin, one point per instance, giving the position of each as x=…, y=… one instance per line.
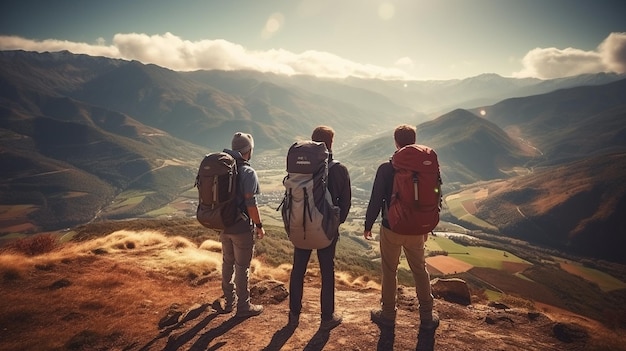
x=78, y=131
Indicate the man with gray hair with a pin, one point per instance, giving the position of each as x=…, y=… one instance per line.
x=238, y=239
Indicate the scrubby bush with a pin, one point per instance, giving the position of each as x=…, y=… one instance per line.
x=33, y=245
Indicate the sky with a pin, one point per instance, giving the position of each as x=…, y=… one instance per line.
x=387, y=39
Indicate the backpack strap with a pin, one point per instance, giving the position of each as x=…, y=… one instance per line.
x=385, y=207
x=240, y=162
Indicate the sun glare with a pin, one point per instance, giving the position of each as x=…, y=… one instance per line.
x=386, y=11
x=483, y=112
x=274, y=24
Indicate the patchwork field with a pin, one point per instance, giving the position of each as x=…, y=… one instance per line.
x=448, y=265
x=503, y=276
x=604, y=281
x=476, y=256
x=14, y=218
x=462, y=206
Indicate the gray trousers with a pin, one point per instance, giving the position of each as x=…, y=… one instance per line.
x=237, y=252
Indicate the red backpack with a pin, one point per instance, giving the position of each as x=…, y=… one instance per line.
x=416, y=195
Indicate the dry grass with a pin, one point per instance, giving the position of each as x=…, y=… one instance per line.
x=171, y=256
x=112, y=289
x=104, y=286
x=33, y=245
x=109, y=293
x=95, y=299
x=360, y=282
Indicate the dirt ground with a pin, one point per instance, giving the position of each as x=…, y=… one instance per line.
x=99, y=303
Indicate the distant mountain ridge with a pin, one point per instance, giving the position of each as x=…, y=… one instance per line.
x=79, y=131
x=567, y=123
x=576, y=207
x=197, y=106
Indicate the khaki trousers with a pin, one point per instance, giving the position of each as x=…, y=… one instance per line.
x=391, y=245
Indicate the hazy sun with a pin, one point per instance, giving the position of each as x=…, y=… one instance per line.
x=483, y=112
x=386, y=11
x=273, y=24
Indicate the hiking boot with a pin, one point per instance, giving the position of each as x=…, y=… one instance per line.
x=430, y=326
x=294, y=319
x=328, y=324
x=228, y=307
x=377, y=317
x=426, y=335
x=252, y=310
x=425, y=342
x=222, y=306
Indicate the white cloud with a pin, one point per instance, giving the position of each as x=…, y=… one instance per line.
x=555, y=63
x=613, y=50
x=548, y=63
x=405, y=62
x=170, y=51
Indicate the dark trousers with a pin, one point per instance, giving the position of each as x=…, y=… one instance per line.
x=326, y=258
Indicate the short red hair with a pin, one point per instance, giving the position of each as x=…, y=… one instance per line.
x=324, y=134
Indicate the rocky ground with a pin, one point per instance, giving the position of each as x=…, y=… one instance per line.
x=40, y=312
x=107, y=301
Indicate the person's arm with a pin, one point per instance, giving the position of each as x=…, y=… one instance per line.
x=251, y=189
x=340, y=189
x=376, y=202
x=345, y=199
x=255, y=216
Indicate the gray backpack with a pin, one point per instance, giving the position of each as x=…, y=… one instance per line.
x=309, y=216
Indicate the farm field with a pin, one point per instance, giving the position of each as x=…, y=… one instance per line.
x=475, y=256
x=461, y=205
x=127, y=199
x=604, y=281
x=503, y=276
x=448, y=265
x=14, y=218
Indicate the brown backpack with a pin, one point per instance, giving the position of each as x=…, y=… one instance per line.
x=217, y=183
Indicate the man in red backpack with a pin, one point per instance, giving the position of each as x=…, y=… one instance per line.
x=391, y=244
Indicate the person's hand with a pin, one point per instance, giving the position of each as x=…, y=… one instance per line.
x=260, y=233
x=367, y=234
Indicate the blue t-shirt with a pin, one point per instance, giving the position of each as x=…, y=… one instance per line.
x=248, y=184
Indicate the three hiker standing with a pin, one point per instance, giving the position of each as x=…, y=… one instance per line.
x=238, y=239
x=391, y=243
x=406, y=190
x=340, y=191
